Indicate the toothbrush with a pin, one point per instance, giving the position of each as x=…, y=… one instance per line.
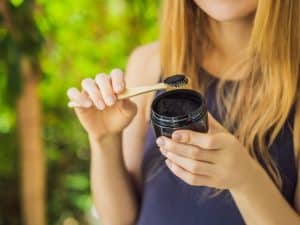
x=172, y=82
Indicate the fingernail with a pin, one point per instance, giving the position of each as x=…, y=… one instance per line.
x=177, y=137
x=180, y=137
x=160, y=142
x=119, y=87
x=110, y=100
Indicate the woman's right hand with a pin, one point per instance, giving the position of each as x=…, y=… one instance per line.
x=97, y=107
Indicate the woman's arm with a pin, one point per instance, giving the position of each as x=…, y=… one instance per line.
x=116, y=160
x=260, y=202
x=112, y=192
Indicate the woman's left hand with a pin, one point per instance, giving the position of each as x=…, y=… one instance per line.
x=214, y=159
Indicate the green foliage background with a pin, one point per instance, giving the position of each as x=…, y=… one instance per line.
x=80, y=39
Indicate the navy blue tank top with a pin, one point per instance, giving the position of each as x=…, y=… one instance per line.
x=167, y=200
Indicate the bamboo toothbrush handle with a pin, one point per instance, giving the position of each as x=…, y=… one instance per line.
x=130, y=92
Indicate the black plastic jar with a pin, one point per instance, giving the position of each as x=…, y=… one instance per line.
x=178, y=109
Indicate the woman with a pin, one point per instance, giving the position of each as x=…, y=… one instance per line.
x=244, y=56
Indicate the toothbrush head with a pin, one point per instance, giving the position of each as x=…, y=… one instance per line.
x=176, y=81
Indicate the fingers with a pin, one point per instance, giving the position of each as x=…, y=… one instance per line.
x=100, y=91
x=188, y=177
x=93, y=91
x=185, y=150
x=193, y=166
x=118, y=81
x=105, y=86
x=202, y=140
x=78, y=99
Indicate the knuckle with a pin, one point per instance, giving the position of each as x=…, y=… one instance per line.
x=210, y=142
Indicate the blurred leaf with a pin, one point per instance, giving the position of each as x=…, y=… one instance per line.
x=77, y=182
x=16, y=2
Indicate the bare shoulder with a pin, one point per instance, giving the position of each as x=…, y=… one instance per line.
x=143, y=65
x=143, y=68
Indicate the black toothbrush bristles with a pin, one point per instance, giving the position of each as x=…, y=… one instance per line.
x=177, y=80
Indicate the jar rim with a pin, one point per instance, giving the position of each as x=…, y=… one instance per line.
x=195, y=114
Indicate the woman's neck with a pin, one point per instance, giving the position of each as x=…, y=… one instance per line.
x=230, y=40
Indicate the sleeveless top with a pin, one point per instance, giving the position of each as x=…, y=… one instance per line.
x=167, y=200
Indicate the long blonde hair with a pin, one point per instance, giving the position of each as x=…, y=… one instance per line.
x=259, y=104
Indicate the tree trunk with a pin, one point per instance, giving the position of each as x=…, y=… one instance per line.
x=32, y=157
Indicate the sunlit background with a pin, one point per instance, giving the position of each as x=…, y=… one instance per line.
x=47, y=46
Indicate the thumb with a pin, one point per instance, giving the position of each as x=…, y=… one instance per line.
x=128, y=108
x=214, y=125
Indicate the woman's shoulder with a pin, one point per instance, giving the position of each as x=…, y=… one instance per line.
x=147, y=49
x=143, y=68
x=143, y=65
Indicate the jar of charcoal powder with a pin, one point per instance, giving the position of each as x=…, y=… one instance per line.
x=178, y=109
